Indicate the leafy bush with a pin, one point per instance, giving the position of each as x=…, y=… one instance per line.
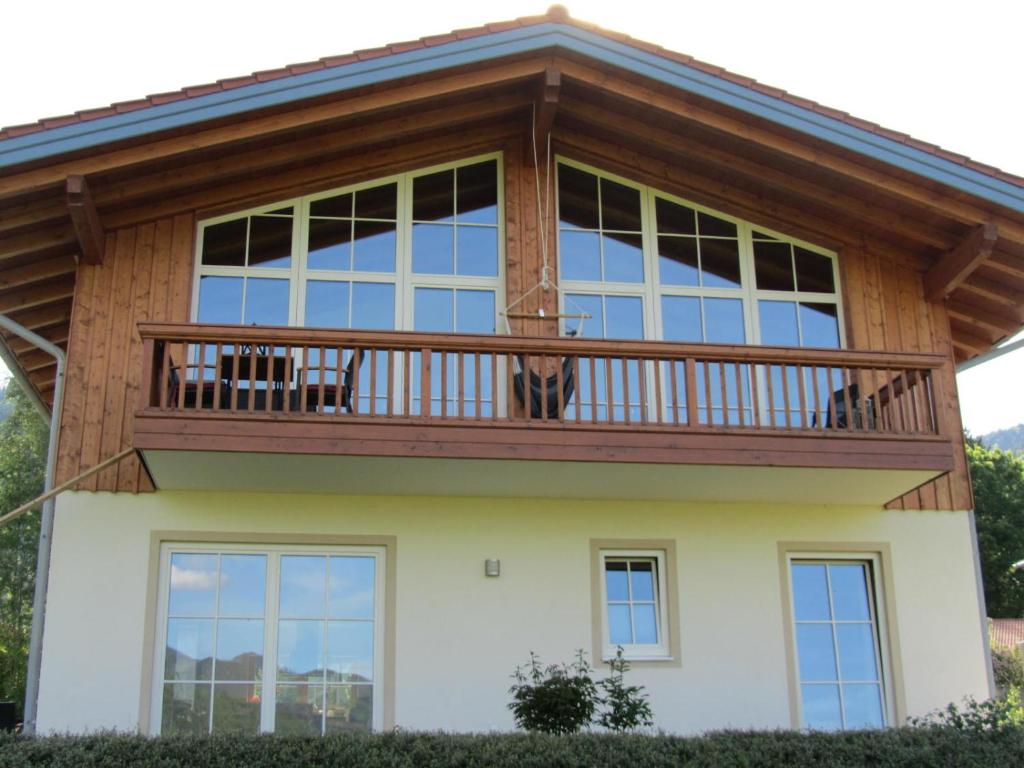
x=1008, y=667
x=560, y=698
x=931, y=747
x=978, y=716
x=625, y=707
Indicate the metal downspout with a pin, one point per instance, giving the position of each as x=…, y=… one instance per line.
x=35, y=646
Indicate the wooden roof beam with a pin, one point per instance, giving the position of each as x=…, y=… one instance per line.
x=19, y=300
x=544, y=110
x=984, y=319
x=41, y=317
x=975, y=345
x=85, y=219
x=35, y=272
x=957, y=265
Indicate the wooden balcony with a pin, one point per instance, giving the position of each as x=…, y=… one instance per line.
x=222, y=406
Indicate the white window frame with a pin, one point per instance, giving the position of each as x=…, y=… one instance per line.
x=877, y=608
x=274, y=552
x=660, y=651
x=651, y=289
x=403, y=278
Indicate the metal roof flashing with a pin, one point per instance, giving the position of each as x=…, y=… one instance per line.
x=90, y=134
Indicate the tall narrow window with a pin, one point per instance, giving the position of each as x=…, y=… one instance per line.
x=837, y=644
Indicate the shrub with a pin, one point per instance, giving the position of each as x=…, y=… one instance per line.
x=560, y=698
x=625, y=707
x=978, y=716
x=1008, y=667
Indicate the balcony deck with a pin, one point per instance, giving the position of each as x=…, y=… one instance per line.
x=644, y=418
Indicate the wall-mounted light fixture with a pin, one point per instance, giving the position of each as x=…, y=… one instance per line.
x=492, y=567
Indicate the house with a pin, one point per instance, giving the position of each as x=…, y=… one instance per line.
x=1006, y=633
x=526, y=337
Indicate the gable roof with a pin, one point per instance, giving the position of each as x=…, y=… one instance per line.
x=273, y=88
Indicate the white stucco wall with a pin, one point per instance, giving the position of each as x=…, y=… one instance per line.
x=459, y=635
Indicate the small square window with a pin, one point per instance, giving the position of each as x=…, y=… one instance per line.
x=634, y=600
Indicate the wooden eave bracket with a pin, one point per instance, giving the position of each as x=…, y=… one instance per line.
x=545, y=108
x=955, y=266
x=85, y=219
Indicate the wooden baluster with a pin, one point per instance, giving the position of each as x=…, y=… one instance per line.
x=339, y=382
x=527, y=388
x=724, y=393
x=692, y=401
x=426, y=401
x=610, y=391
x=819, y=421
x=709, y=405
x=510, y=390
x=444, y=385
x=460, y=391
x=674, y=385
x=626, y=401
x=784, y=370
x=236, y=354
x=739, y=394
x=845, y=376
x=660, y=416
x=593, y=389
x=898, y=406
x=148, y=386
x=576, y=386
x=391, y=382
x=543, y=370
x=286, y=394
x=912, y=378
x=407, y=382
x=876, y=393
x=560, y=395
x=833, y=411
x=218, y=352
x=200, y=376
x=801, y=393
x=755, y=404
x=478, y=396
x=165, y=374
x=929, y=391
x=182, y=375
x=373, y=381
x=304, y=380
x=494, y=386
x=321, y=393
x=269, y=361
x=353, y=396
x=770, y=387
x=641, y=365
x=252, y=378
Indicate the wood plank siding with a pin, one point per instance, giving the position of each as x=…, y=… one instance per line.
x=147, y=270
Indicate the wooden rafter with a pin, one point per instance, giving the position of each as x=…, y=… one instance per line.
x=991, y=322
x=545, y=109
x=85, y=219
x=36, y=272
x=950, y=272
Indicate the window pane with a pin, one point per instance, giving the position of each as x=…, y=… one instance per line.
x=816, y=652
x=577, y=198
x=820, y=325
x=478, y=193
x=433, y=196
x=813, y=271
x=821, y=707
x=298, y=710
x=857, y=659
x=620, y=206
x=674, y=218
x=720, y=263
x=624, y=317
x=620, y=631
x=474, y=311
x=585, y=304
x=623, y=258
x=220, y=299
x=433, y=310
x=193, y=585
x=778, y=323
x=339, y=205
x=189, y=653
x=723, y=321
x=327, y=304
x=713, y=226
x=224, y=244
x=642, y=580
x=270, y=241
x=646, y=624
x=373, y=306
x=580, y=254
x=863, y=706
x=303, y=586
x=774, y=267
x=242, y=585
x=616, y=577
x=677, y=261
x=330, y=245
x=239, y=649
x=300, y=651
x=349, y=708
x=374, y=246
x=266, y=301
x=850, y=592
x=377, y=202
x=810, y=592
x=236, y=708
x=186, y=710
x=349, y=651
x=433, y=249
x=680, y=318
x=477, y=251
x=351, y=587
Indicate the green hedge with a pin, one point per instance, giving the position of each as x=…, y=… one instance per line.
x=917, y=747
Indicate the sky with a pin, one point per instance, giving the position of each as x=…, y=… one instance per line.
x=944, y=72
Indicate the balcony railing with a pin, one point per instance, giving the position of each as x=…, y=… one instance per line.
x=535, y=383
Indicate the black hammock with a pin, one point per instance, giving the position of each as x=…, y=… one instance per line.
x=544, y=388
